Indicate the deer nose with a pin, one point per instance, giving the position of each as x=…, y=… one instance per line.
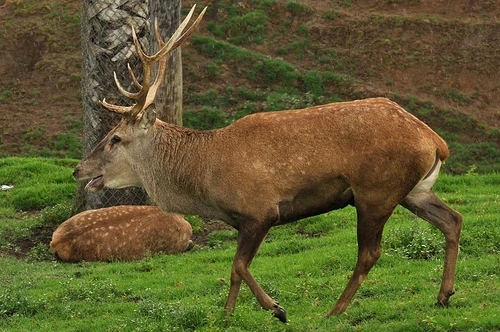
x=75, y=173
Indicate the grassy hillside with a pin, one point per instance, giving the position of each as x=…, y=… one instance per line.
x=438, y=60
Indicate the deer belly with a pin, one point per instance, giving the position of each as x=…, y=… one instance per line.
x=309, y=204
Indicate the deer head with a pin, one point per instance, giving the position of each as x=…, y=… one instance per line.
x=109, y=164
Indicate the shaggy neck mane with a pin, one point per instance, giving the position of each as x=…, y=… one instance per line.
x=178, y=152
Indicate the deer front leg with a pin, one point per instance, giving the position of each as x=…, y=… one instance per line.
x=248, y=244
x=369, y=232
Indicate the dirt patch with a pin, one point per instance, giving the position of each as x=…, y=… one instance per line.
x=401, y=47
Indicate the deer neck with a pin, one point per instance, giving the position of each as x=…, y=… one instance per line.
x=176, y=167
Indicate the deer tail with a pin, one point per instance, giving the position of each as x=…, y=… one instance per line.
x=442, y=150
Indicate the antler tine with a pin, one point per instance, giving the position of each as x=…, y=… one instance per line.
x=131, y=95
x=136, y=108
x=165, y=48
x=134, y=79
x=175, y=41
x=147, y=90
x=117, y=108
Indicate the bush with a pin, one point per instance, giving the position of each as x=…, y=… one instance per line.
x=418, y=242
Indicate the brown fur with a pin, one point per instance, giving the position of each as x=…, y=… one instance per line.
x=273, y=168
x=123, y=233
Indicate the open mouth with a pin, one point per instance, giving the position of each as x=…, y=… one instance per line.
x=95, y=184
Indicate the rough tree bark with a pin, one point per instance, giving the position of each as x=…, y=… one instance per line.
x=107, y=47
x=169, y=99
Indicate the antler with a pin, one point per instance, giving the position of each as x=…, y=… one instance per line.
x=147, y=90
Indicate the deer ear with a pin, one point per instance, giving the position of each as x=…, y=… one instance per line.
x=148, y=117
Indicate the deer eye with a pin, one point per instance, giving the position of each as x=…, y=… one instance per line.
x=115, y=139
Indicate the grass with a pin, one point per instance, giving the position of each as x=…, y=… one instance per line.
x=304, y=265
x=57, y=20
x=245, y=29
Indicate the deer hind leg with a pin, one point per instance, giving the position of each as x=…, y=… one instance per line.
x=248, y=245
x=370, y=227
x=429, y=207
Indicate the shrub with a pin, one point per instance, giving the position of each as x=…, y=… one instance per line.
x=207, y=118
x=418, y=242
x=298, y=9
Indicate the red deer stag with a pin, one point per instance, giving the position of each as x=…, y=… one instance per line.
x=272, y=168
x=122, y=233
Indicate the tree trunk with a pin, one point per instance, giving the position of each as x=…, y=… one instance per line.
x=107, y=47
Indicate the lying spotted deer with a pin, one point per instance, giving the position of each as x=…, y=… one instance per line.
x=272, y=168
x=120, y=233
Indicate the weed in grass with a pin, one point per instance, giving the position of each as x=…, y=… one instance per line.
x=484, y=156
x=216, y=239
x=34, y=134
x=273, y=71
x=195, y=222
x=91, y=290
x=277, y=101
x=346, y=3
x=249, y=94
x=495, y=133
x=418, y=242
x=14, y=303
x=249, y=28
x=458, y=97
x=207, y=98
x=303, y=29
x=4, y=95
x=331, y=14
x=300, y=47
x=267, y=4
x=187, y=317
x=245, y=109
x=152, y=309
x=228, y=98
x=67, y=145
x=213, y=70
x=299, y=9
x=40, y=252
x=206, y=118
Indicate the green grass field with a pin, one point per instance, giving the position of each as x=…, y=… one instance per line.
x=304, y=265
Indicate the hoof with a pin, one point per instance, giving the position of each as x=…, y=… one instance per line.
x=445, y=300
x=189, y=246
x=440, y=304
x=280, y=313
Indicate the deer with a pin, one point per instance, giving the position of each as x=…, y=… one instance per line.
x=273, y=168
x=120, y=233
